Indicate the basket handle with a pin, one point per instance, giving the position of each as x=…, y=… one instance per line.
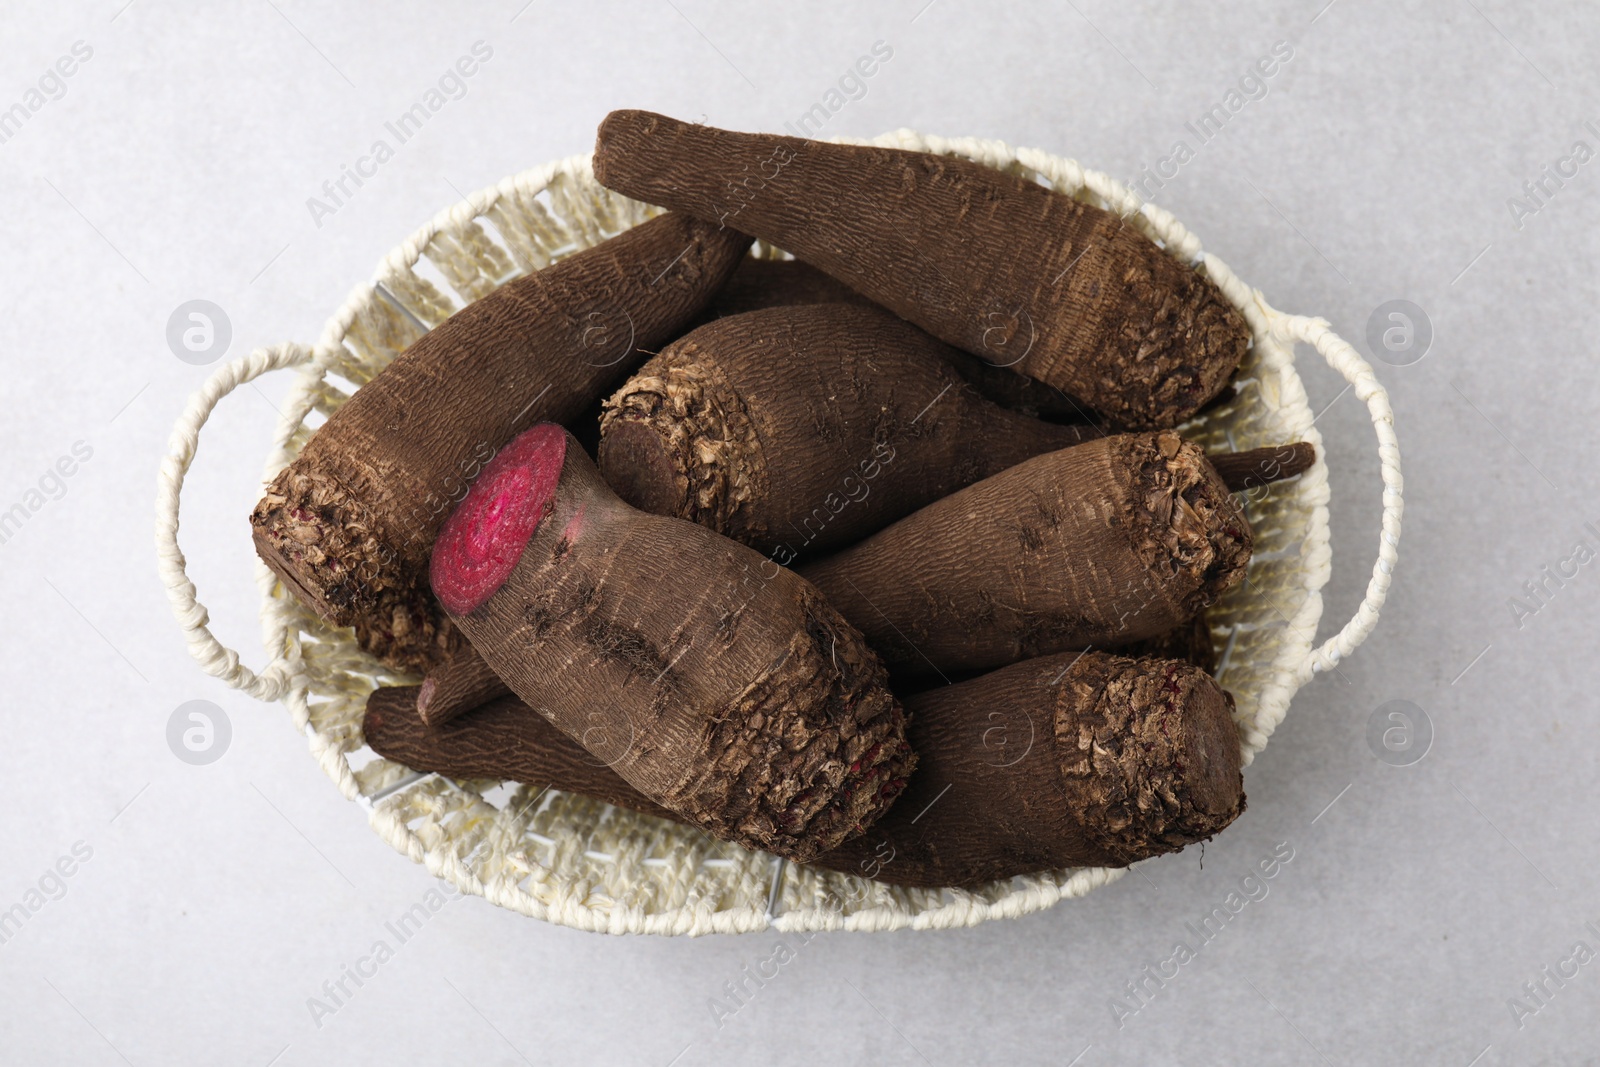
x=214, y=657
x=1358, y=372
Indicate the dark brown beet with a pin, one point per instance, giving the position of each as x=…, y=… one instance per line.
x=1111, y=541
x=729, y=690
x=798, y=430
x=349, y=524
x=982, y=259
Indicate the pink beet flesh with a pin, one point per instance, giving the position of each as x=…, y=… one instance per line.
x=483, y=539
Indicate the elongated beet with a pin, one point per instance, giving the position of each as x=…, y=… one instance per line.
x=729, y=690
x=1065, y=761
x=504, y=739
x=349, y=524
x=1111, y=541
x=770, y=283
x=1259, y=467
x=459, y=684
x=982, y=259
x=1072, y=760
x=802, y=429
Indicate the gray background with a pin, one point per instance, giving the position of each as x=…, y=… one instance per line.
x=1378, y=166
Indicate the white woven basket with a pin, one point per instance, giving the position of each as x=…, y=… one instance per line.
x=571, y=860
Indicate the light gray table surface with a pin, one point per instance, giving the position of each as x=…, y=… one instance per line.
x=1388, y=158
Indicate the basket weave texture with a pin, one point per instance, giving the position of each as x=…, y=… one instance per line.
x=581, y=863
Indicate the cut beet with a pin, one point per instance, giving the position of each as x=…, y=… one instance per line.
x=717, y=683
x=482, y=541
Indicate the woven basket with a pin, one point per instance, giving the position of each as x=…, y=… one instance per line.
x=581, y=863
